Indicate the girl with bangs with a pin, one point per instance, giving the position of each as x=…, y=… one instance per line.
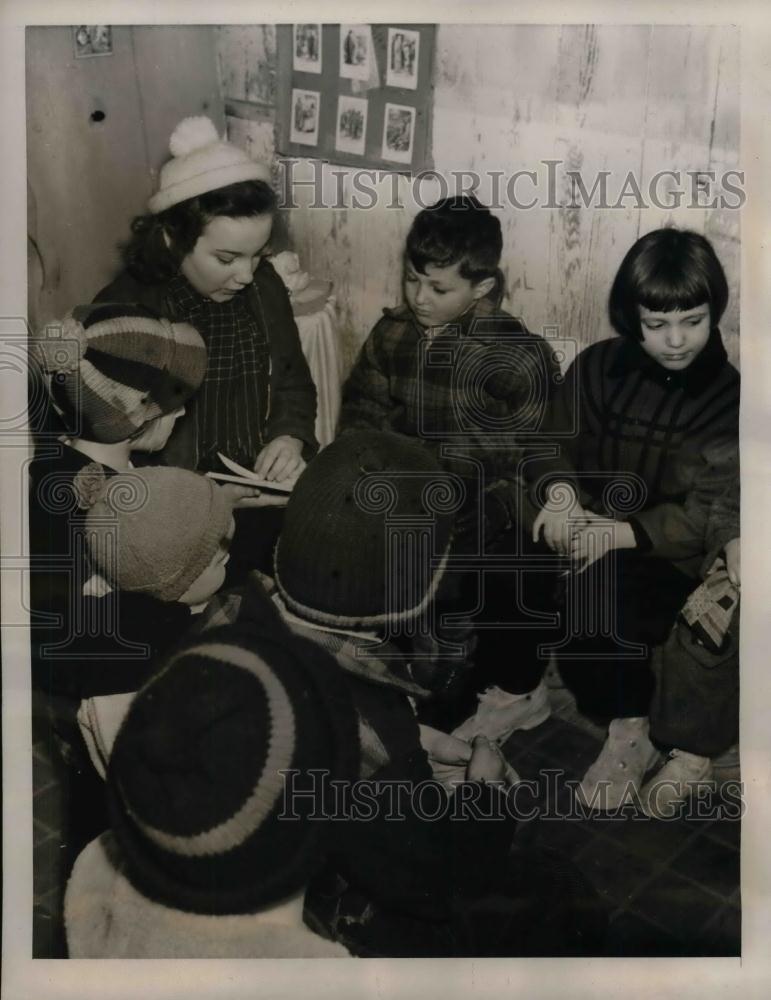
x=646, y=431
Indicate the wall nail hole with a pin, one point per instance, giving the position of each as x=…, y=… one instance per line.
x=98, y=116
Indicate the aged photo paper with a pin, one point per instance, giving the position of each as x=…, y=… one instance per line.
x=643, y=116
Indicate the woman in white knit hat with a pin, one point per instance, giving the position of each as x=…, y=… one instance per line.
x=198, y=256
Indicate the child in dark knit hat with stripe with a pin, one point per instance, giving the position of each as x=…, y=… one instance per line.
x=202, y=860
x=365, y=543
x=646, y=426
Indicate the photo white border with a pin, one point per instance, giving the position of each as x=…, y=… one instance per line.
x=360, y=71
x=342, y=143
x=393, y=79
x=24, y=978
x=304, y=138
x=393, y=155
x=300, y=65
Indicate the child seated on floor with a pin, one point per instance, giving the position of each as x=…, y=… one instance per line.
x=117, y=379
x=201, y=860
x=452, y=369
x=364, y=545
x=159, y=532
x=695, y=707
x=646, y=426
x=107, y=384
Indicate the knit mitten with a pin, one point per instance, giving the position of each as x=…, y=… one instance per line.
x=710, y=608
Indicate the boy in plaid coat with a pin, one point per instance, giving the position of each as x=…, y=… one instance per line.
x=453, y=369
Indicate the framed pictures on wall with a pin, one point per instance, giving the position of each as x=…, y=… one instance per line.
x=351, y=124
x=306, y=48
x=305, y=117
x=358, y=94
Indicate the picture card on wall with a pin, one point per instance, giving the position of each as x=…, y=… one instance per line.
x=356, y=55
x=351, y=124
x=398, y=133
x=92, y=40
x=305, y=116
x=403, y=54
x=306, y=49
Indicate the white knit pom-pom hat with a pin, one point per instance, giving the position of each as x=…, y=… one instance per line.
x=201, y=161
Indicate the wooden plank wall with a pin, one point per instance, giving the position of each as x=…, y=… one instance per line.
x=636, y=99
x=87, y=179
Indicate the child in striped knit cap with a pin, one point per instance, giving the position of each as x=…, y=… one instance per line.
x=108, y=382
x=115, y=379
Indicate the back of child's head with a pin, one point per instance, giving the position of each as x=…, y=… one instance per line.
x=366, y=532
x=667, y=270
x=115, y=367
x=196, y=780
x=156, y=530
x=456, y=230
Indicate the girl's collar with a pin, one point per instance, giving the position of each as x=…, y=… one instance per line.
x=692, y=380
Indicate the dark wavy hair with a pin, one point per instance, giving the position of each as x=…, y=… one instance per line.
x=666, y=270
x=457, y=230
x=149, y=258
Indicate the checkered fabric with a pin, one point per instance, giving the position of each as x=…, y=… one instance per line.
x=229, y=407
x=474, y=391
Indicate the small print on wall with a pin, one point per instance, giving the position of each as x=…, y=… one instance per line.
x=351, y=125
x=92, y=40
x=398, y=133
x=307, y=48
x=305, y=117
x=355, y=51
x=403, y=57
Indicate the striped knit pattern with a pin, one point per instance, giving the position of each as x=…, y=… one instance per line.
x=235, y=829
x=645, y=444
x=197, y=776
x=134, y=367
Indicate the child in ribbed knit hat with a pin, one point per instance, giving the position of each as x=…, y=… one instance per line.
x=107, y=381
x=364, y=545
x=207, y=856
x=116, y=378
x=163, y=533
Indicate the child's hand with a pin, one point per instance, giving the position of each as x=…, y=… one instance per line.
x=733, y=561
x=598, y=536
x=281, y=459
x=447, y=755
x=487, y=762
x=241, y=497
x=557, y=517
x=443, y=747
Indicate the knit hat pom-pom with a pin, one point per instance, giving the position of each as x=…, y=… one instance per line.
x=89, y=485
x=59, y=348
x=192, y=134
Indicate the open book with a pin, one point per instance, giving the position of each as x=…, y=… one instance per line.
x=238, y=474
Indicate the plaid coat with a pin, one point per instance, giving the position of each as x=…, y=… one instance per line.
x=475, y=392
x=653, y=447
